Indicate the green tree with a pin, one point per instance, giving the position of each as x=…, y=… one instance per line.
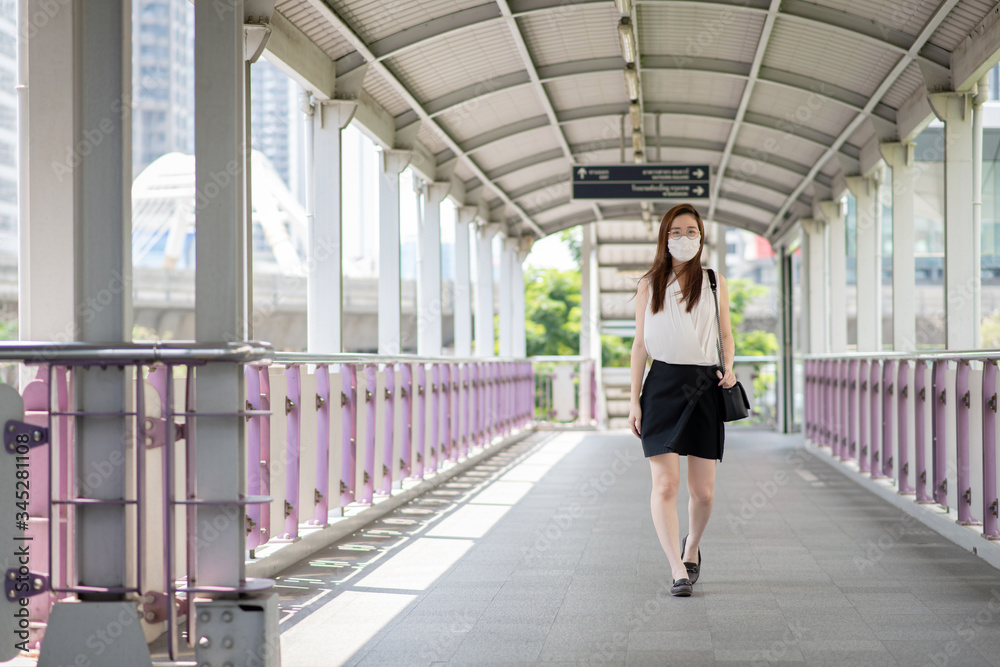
x=573, y=238
x=756, y=343
x=552, y=311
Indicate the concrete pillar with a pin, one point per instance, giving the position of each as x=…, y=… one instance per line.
x=325, y=287
x=836, y=262
x=391, y=164
x=899, y=156
x=429, y=271
x=520, y=331
x=961, y=244
x=590, y=317
x=507, y=250
x=463, y=282
x=814, y=272
x=786, y=344
x=720, y=248
x=869, y=273
x=484, y=289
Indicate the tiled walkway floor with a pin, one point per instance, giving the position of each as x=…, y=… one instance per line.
x=547, y=554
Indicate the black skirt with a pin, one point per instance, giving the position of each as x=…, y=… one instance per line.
x=680, y=411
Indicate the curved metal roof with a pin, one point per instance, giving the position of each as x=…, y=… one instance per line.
x=783, y=98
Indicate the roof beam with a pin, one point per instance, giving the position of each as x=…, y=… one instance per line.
x=734, y=130
x=352, y=37
x=925, y=34
x=976, y=54
x=291, y=51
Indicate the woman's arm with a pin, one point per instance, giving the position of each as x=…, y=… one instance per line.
x=638, y=360
x=728, y=342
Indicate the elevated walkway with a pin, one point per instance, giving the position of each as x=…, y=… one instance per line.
x=546, y=553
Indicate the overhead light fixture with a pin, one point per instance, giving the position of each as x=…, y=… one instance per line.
x=632, y=81
x=627, y=38
x=624, y=6
x=635, y=113
x=640, y=157
x=637, y=141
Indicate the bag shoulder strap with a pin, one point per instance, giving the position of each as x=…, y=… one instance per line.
x=718, y=320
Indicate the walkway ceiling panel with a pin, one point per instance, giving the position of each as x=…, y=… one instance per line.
x=851, y=63
x=728, y=206
x=691, y=88
x=740, y=188
x=376, y=19
x=599, y=88
x=800, y=107
x=533, y=191
x=429, y=137
x=512, y=148
x=962, y=20
x=584, y=132
x=692, y=127
x=465, y=122
x=557, y=211
x=305, y=17
x=755, y=139
x=613, y=280
x=765, y=169
x=862, y=135
x=528, y=179
x=542, y=198
x=384, y=94
x=625, y=232
x=909, y=81
x=571, y=32
x=626, y=255
x=479, y=53
x=688, y=32
x=908, y=17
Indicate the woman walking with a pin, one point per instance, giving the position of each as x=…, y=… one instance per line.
x=676, y=414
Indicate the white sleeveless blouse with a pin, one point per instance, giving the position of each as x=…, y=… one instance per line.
x=676, y=336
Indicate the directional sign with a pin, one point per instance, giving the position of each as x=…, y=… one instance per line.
x=641, y=181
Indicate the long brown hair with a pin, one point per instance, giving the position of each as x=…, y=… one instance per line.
x=659, y=275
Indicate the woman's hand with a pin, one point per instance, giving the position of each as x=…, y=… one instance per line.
x=728, y=380
x=635, y=419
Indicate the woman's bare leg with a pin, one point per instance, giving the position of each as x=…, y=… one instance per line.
x=701, y=487
x=665, y=469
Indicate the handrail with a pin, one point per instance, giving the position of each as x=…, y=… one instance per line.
x=365, y=358
x=926, y=355
x=33, y=352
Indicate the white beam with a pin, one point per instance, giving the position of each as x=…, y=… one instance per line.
x=463, y=282
x=391, y=164
x=762, y=44
x=484, y=289
x=900, y=157
x=869, y=274
x=836, y=259
x=291, y=51
x=926, y=32
x=977, y=54
x=429, y=333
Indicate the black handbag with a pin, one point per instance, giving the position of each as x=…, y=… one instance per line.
x=733, y=402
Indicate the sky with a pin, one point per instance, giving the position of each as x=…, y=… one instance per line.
x=550, y=253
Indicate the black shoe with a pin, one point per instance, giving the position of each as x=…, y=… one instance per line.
x=681, y=588
x=694, y=569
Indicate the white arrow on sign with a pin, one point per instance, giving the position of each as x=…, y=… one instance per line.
x=699, y=173
x=582, y=172
x=699, y=191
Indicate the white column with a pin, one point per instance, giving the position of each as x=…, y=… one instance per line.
x=590, y=316
x=520, y=332
x=814, y=272
x=484, y=289
x=429, y=271
x=507, y=250
x=961, y=244
x=720, y=248
x=869, y=274
x=836, y=262
x=90, y=184
x=325, y=290
x=899, y=156
x=46, y=269
x=463, y=282
x=219, y=285
x=392, y=163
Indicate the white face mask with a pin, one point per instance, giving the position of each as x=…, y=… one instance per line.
x=684, y=249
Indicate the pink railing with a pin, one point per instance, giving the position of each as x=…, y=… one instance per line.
x=875, y=412
x=413, y=417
